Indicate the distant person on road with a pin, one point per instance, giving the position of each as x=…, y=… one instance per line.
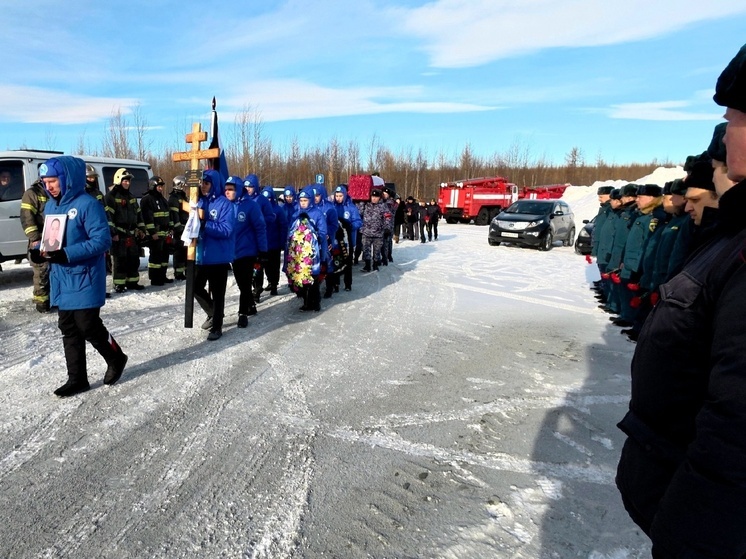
x=682, y=471
x=78, y=273
x=433, y=216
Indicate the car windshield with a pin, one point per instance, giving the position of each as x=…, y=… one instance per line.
x=529, y=207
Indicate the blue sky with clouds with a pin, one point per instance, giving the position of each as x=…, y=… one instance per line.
x=627, y=80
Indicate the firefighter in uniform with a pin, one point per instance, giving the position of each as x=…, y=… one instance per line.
x=179, y=218
x=127, y=228
x=32, y=221
x=91, y=184
x=157, y=218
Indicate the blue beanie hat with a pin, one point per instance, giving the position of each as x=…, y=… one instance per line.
x=53, y=168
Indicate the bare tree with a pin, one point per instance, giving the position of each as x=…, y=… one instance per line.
x=141, y=127
x=116, y=136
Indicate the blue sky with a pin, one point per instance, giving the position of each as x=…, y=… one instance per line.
x=625, y=80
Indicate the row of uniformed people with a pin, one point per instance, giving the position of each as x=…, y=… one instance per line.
x=643, y=234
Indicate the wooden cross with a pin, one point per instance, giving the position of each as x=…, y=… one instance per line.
x=196, y=137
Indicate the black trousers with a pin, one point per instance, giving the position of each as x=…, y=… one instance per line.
x=126, y=256
x=423, y=226
x=273, y=267
x=214, y=306
x=180, y=257
x=432, y=228
x=312, y=295
x=79, y=327
x=243, y=272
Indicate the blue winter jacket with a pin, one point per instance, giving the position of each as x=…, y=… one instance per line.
x=264, y=205
x=251, y=230
x=290, y=207
x=216, y=243
x=318, y=221
x=348, y=213
x=81, y=282
x=278, y=231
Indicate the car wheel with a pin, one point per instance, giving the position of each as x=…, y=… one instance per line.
x=451, y=220
x=483, y=217
x=546, y=242
x=570, y=238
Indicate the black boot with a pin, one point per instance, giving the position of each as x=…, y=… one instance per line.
x=71, y=387
x=243, y=321
x=366, y=268
x=115, y=369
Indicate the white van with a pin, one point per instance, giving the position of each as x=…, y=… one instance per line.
x=21, y=168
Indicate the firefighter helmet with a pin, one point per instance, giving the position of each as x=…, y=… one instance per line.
x=90, y=171
x=179, y=182
x=121, y=175
x=155, y=182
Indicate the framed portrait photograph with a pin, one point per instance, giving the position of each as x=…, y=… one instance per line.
x=53, y=233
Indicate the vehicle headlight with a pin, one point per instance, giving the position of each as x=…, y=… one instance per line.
x=583, y=233
x=535, y=223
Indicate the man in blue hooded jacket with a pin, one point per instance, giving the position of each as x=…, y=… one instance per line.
x=215, y=251
x=251, y=189
x=316, y=219
x=251, y=241
x=78, y=273
x=276, y=236
x=349, y=218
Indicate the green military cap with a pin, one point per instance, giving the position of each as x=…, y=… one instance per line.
x=716, y=149
x=730, y=90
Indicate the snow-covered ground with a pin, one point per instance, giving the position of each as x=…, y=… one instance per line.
x=460, y=403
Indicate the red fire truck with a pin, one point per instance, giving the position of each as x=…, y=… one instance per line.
x=481, y=199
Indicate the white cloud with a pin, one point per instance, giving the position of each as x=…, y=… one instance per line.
x=295, y=99
x=38, y=105
x=463, y=33
x=661, y=110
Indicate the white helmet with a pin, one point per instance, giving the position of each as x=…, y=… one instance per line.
x=122, y=174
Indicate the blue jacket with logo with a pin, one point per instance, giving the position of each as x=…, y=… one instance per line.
x=81, y=282
x=278, y=231
x=216, y=244
x=348, y=214
x=251, y=230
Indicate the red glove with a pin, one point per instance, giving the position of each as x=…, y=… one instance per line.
x=635, y=302
x=633, y=286
x=589, y=259
x=616, y=279
x=605, y=275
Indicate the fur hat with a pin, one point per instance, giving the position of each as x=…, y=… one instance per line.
x=603, y=190
x=701, y=176
x=649, y=190
x=629, y=190
x=716, y=149
x=730, y=90
x=615, y=194
x=678, y=187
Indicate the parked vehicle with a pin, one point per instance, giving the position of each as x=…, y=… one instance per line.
x=481, y=199
x=23, y=166
x=583, y=242
x=534, y=223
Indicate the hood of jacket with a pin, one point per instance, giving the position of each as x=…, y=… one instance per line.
x=71, y=173
x=343, y=189
x=309, y=192
x=269, y=193
x=217, y=188
x=252, y=180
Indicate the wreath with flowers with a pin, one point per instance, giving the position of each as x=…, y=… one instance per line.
x=302, y=258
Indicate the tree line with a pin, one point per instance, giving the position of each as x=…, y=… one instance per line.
x=415, y=172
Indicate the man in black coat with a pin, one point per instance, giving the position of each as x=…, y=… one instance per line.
x=682, y=472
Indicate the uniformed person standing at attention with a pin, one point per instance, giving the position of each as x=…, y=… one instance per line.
x=157, y=218
x=127, y=227
x=179, y=218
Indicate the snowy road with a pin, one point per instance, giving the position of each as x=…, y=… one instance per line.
x=460, y=403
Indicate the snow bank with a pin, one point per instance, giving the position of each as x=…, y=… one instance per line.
x=583, y=199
